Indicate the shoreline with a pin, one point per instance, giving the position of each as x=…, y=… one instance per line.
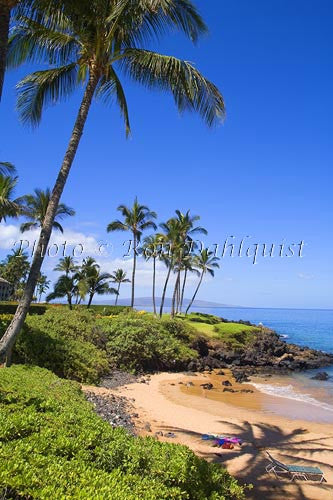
x=165, y=404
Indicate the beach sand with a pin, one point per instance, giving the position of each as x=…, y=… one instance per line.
x=167, y=404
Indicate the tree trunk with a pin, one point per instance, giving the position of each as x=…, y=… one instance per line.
x=91, y=296
x=154, y=284
x=5, y=8
x=174, y=296
x=183, y=291
x=8, y=340
x=195, y=293
x=69, y=300
x=164, y=290
x=116, y=301
x=134, y=268
x=178, y=294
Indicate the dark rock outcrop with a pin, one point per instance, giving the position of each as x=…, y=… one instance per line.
x=267, y=353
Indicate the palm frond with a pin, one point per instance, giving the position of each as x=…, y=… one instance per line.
x=7, y=168
x=190, y=89
x=27, y=226
x=42, y=88
x=117, y=225
x=58, y=226
x=111, y=87
x=34, y=42
x=137, y=21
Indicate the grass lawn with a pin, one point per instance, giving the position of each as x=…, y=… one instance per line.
x=235, y=334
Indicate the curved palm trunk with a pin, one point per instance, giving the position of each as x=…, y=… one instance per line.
x=134, y=269
x=5, y=9
x=116, y=301
x=195, y=293
x=8, y=339
x=164, y=290
x=183, y=291
x=154, y=284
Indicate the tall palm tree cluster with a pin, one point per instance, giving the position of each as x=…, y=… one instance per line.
x=89, y=44
x=77, y=282
x=173, y=245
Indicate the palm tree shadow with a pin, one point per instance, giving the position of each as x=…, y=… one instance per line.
x=288, y=445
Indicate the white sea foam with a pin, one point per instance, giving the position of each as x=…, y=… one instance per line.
x=288, y=392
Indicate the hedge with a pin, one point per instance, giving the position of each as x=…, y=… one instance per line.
x=53, y=445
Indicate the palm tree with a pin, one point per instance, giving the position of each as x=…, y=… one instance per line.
x=88, y=43
x=188, y=230
x=66, y=286
x=137, y=219
x=35, y=207
x=206, y=262
x=151, y=249
x=43, y=284
x=66, y=265
x=98, y=282
x=119, y=276
x=8, y=206
x=171, y=243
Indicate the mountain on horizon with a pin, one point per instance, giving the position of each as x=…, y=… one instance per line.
x=148, y=302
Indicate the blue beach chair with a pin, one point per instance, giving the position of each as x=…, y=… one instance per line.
x=294, y=471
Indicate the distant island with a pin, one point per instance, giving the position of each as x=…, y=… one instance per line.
x=147, y=302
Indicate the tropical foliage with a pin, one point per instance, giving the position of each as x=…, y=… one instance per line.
x=15, y=268
x=80, y=281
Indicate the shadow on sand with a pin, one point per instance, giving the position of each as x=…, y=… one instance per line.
x=292, y=447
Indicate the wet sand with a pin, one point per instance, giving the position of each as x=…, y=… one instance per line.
x=168, y=404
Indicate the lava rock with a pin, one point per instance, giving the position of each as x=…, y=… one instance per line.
x=208, y=386
x=114, y=409
x=227, y=383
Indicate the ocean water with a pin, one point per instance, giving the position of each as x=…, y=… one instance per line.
x=305, y=327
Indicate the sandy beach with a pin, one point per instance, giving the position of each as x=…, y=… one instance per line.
x=170, y=403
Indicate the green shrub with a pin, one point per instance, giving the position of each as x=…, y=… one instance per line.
x=53, y=445
x=10, y=308
x=66, y=342
x=104, y=310
x=140, y=342
x=179, y=329
x=204, y=318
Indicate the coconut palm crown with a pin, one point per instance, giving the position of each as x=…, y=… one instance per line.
x=34, y=209
x=100, y=39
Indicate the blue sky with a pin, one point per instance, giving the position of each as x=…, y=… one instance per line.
x=266, y=172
